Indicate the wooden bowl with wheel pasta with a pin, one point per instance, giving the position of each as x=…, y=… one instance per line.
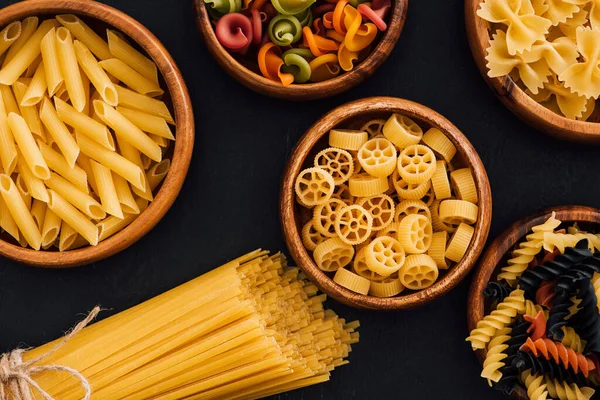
x=385, y=204
x=544, y=68
x=533, y=306
x=96, y=132
x=300, y=50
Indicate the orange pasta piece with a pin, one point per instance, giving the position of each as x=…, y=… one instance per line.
x=257, y=4
x=270, y=63
x=538, y=325
x=318, y=44
x=328, y=20
x=331, y=34
x=324, y=67
x=339, y=16
x=358, y=35
x=346, y=57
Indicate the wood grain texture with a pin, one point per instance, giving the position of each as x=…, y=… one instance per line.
x=306, y=91
x=496, y=254
x=177, y=97
x=516, y=99
x=353, y=115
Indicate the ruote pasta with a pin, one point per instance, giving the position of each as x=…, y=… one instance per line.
x=391, y=210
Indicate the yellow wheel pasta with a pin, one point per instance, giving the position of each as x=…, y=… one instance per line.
x=311, y=238
x=353, y=224
x=381, y=207
x=324, y=217
x=384, y=256
x=459, y=242
x=464, y=184
x=402, y=131
x=418, y=272
x=408, y=207
x=337, y=162
x=389, y=287
x=314, y=186
x=407, y=190
x=440, y=144
x=378, y=157
x=365, y=185
x=347, y=139
x=437, y=249
x=352, y=281
x=436, y=222
x=374, y=127
x=416, y=163
x=454, y=212
x=342, y=192
x=333, y=254
x=440, y=181
x=414, y=233
x=361, y=268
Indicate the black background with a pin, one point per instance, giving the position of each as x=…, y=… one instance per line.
x=229, y=203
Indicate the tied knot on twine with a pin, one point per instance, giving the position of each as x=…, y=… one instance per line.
x=16, y=376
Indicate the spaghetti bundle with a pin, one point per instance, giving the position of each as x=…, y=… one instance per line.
x=251, y=328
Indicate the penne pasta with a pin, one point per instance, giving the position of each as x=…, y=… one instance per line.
x=131, y=78
x=159, y=140
x=106, y=190
x=84, y=124
x=8, y=98
x=20, y=212
x=96, y=74
x=29, y=113
x=59, y=132
x=28, y=27
x=14, y=68
x=58, y=164
x=132, y=154
x=115, y=162
x=69, y=68
x=23, y=191
x=30, y=71
x=7, y=222
x=147, y=122
x=85, y=35
x=35, y=186
x=112, y=225
x=37, y=88
x=127, y=130
x=146, y=162
x=130, y=99
x=68, y=236
x=123, y=51
x=157, y=173
x=84, y=202
x=8, y=149
x=54, y=78
x=38, y=212
x=73, y=217
x=86, y=90
x=84, y=163
x=9, y=35
x=51, y=228
x=26, y=144
x=126, y=199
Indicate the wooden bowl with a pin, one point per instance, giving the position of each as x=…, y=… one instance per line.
x=516, y=99
x=497, y=253
x=353, y=115
x=100, y=16
x=305, y=91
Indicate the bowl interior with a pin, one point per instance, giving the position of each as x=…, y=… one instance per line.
x=353, y=116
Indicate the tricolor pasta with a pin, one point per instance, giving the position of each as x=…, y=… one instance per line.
x=77, y=114
x=391, y=208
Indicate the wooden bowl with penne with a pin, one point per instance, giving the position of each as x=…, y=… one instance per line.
x=96, y=132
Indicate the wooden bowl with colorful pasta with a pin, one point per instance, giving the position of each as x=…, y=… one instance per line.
x=96, y=132
x=291, y=54
x=534, y=254
x=385, y=205
x=546, y=77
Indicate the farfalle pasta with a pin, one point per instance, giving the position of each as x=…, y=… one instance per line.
x=549, y=48
x=403, y=220
x=294, y=42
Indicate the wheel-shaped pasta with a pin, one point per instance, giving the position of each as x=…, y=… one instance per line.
x=408, y=207
x=437, y=249
x=440, y=181
x=361, y=268
x=416, y=163
x=407, y=190
x=418, y=272
x=459, y=242
x=429, y=197
x=454, y=212
x=387, y=288
x=357, y=167
x=311, y=238
x=342, y=192
x=337, y=162
x=378, y=157
x=374, y=127
x=353, y=224
x=415, y=233
x=314, y=186
x=381, y=207
x=384, y=255
x=352, y=281
x=464, y=185
x=347, y=139
x=440, y=144
x=437, y=223
x=324, y=217
x=333, y=254
x=402, y=131
x=365, y=185
x=390, y=230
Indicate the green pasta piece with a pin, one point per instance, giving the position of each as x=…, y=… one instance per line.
x=284, y=30
x=304, y=53
x=218, y=8
x=287, y=7
x=297, y=66
x=305, y=17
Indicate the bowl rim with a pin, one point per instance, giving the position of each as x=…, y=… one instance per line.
x=184, y=144
x=514, y=98
x=288, y=216
x=305, y=91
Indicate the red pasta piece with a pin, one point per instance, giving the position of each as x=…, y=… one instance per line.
x=257, y=20
x=234, y=31
x=538, y=325
x=551, y=350
x=545, y=294
x=370, y=14
x=381, y=7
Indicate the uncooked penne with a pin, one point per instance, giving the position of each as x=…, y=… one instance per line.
x=84, y=202
x=20, y=212
x=23, y=191
x=51, y=228
x=157, y=173
x=37, y=88
x=7, y=222
x=8, y=97
x=30, y=71
x=38, y=212
x=131, y=77
x=73, y=217
x=56, y=162
x=35, y=186
x=28, y=147
x=147, y=122
x=115, y=162
x=112, y=225
x=8, y=149
x=54, y=78
x=84, y=124
x=84, y=163
x=9, y=35
x=69, y=68
x=126, y=199
x=59, y=132
x=85, y=35
x=68, y=236
x=13, y=69
x=159, y=140
x=133, y=155
x=130, y=99
x=123, y=51
x=28, y=27
x=29, y=113
x=127, y=130
x=106, y=190
x=96, y=74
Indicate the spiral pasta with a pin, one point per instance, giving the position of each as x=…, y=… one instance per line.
x=494, y=359
x=284, y=30
x=560, y=354
x=564, y=391
x=536, y=389
x=572, y=340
